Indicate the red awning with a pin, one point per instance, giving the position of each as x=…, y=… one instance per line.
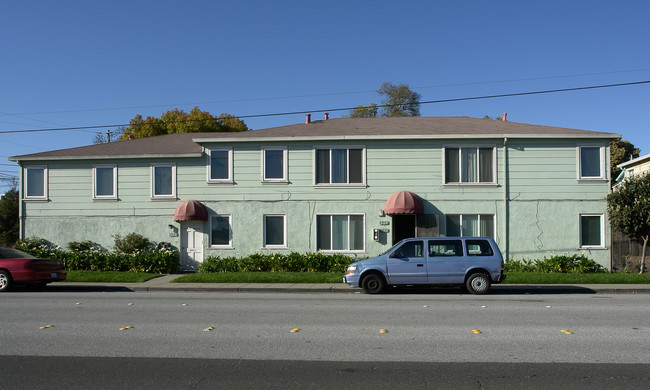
x=404, y=202
x=191, y=210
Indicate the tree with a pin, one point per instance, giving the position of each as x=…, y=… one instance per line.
x=9, y=222
x=619, y=152
x=629, y=210
x=178, y=121
x=399, y=101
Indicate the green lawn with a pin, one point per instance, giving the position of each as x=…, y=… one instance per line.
x=262, y=277
x=109, y=276
x=602, y=278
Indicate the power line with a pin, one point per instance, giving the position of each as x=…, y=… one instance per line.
x=349, y=108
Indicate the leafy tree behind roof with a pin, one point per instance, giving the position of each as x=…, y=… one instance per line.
x=398, y=100
x=619, y=152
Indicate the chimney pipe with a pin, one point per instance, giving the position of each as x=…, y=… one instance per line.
x=327, y=115
x=308, y=120
x=503, y=117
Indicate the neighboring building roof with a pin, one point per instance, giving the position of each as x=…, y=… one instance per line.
x=188, y=144
x=635, y=161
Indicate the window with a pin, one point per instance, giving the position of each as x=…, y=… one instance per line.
x=410, y=249
x=592, y=231
x=470, y=225
x=105, y=182
x=445, y=248
x=274, y=165
x=340, y=232
x=339, y=166
x=220, y=166
x=275, y=229
x=163, y=181
x=591, y=161
x=220, y=231
x=470, y=165
x=478, y=248
x=35, y=183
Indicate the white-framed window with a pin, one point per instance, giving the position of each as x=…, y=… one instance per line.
x=340, y=232
x=221, y=231
x=592, y=231
x=275, y=231
x=163, y=181
x=35, y=178
x=105, y=181
x=340, y=166
x=470, y=225
x=591, y=162
x=466, y=165
x=274, y=165
x=220, y=165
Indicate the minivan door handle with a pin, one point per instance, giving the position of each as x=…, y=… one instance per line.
x=420, y=265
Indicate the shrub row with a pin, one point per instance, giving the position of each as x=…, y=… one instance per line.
x=86, y=256
x=571, y=264
x=277, y=262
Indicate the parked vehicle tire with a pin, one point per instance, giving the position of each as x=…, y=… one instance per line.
x=373, y=284
x=478, y=283
x=5, y=281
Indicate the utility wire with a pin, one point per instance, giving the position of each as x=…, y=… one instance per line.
x=350, y=108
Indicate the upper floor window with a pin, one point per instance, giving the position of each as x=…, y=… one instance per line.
x=220, y=166
x=35, y=182
x=275, y=231
x=340, y=232
x=470, y=225
x=163, y=181
x=592, y=230
x=470, y=165
x=105, y=182
x=339, y=166
x=274, y=165
x=591, y=162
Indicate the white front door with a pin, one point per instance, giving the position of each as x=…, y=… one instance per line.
x=191, y=245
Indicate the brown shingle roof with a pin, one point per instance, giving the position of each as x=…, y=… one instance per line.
x=188, y=144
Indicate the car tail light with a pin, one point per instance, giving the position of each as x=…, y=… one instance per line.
x=503, y=265
x=41, y=262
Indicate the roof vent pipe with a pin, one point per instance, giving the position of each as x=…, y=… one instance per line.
x=327, y=115
x=503, y=117
x=308, y=120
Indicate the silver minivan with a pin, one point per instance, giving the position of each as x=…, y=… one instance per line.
x=474, y=263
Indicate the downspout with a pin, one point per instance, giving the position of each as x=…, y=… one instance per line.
x=21, y=202
x=506, y=200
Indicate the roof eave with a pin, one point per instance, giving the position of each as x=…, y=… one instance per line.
x=105, y=157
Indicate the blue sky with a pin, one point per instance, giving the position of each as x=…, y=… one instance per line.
x=87, y=63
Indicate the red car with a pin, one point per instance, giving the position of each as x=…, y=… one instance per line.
x=21, y=268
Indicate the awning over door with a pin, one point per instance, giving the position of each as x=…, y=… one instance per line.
x=404, y=202
x=191, y=210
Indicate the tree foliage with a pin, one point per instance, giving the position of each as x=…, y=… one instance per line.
x=9, y=222
x=178, y=121
x=629, y=210
x=619, y=152
x=398, y=100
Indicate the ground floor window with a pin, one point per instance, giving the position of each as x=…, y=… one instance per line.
x=275, y=231
x=591, y=231
x=340, y=232
x=220, y=231
x=470, y=225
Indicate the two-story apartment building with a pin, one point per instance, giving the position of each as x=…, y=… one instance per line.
x=353, y=186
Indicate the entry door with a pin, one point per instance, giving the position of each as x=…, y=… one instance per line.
x=191, y=245
x=403, y=227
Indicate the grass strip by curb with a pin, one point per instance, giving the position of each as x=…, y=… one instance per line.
x=558, y=278
x=109, y=277
x=262, y=277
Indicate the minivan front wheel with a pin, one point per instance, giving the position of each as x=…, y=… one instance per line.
x=478, y=283
x=373, y=284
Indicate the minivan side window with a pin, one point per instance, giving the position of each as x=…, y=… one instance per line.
x=409, y=249
x=446, y=248
x=478, y=248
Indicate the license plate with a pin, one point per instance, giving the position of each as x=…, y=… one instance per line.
x=53, y=275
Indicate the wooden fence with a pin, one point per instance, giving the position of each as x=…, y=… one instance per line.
x=626, y=252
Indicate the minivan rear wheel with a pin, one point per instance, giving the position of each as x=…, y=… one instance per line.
x=373, y=284
x=478, y=283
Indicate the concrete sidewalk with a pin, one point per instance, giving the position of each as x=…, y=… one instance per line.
x=164, y=283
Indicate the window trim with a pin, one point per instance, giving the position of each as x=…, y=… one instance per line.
x=602, y=161
x=230, y=233
x=229, y=179
x=363, y=250
x=285, y=165
x=460, y=166
x=494, y=224
x=153, y=180
x=284, y=232
x=45, y=195
x=114, y=194
x=602, y=231
x=315, y=150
